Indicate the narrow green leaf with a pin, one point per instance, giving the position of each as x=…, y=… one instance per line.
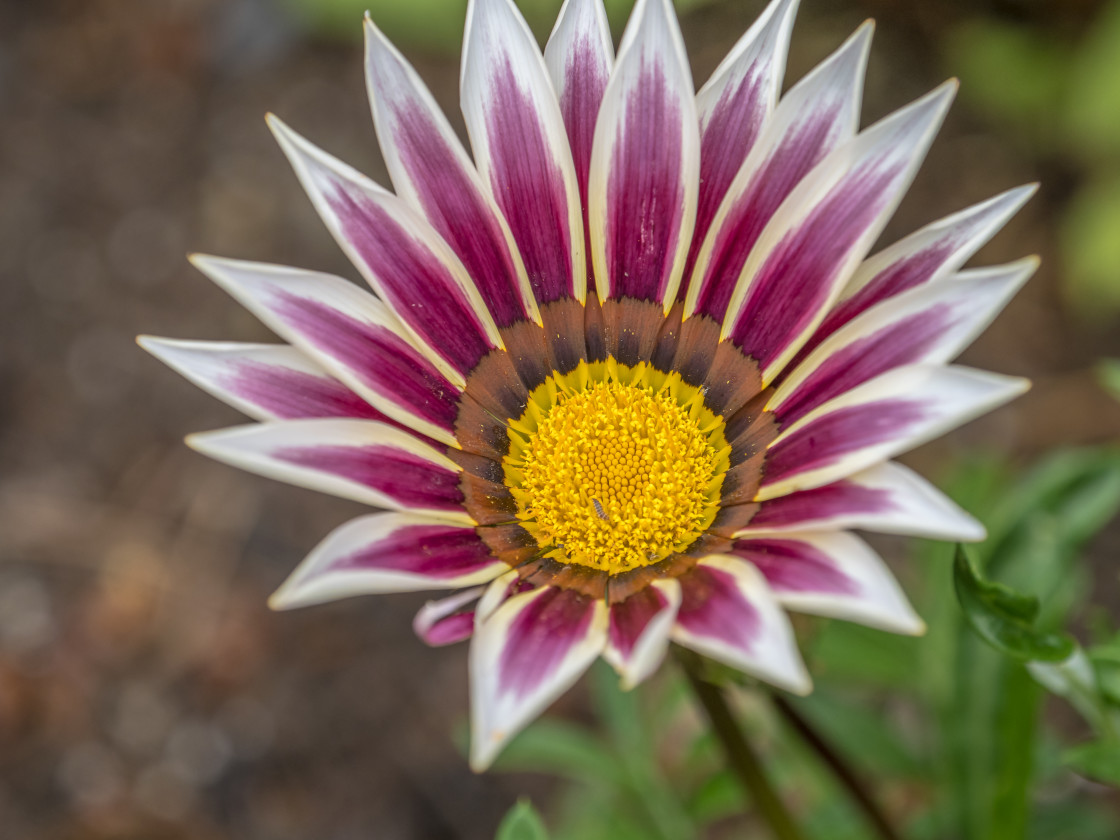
x=1098, y=760
x=522, y=822
x=1005, y=618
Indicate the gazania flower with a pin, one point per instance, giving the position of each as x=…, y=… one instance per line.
x=629, y=376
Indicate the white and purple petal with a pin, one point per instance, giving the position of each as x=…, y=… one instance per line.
x=728, y=613
x=818, y=114
x=264, y=381
x=399, y=254
x=524, y=655
x=639, y=628
x=579, y=56
x=877, y=420
x=929, y=324
x=734, y=105
x=521, y=149
x=645, y=162
x=389, y=552
x=351, y=334
x=832, y=574
x=447, y=620
x=362, y=460
x=823, y=230
x=888, y=498
x=931, y=253
x=497, y=593
x=432, y=172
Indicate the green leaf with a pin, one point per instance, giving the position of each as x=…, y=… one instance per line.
x=719, y=796
x=431, y=25
x=561, y=749
x=1011, y=71
x=1108, y=375
x=522, y=822
x=1098, y=760
x=1093, y=95
x=1077, y=681
x=1005, y=618
x=863, y=655
x=1091, y=249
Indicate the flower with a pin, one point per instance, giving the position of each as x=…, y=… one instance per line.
x=629, y=377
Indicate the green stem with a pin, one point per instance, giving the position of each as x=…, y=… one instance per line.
x=844, y=774
x=740, y=756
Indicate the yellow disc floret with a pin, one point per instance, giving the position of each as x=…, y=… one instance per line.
x=616, y=468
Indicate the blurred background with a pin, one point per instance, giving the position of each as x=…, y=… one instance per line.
x=145, y=689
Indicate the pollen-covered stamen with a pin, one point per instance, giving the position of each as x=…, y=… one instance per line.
x=613, y=472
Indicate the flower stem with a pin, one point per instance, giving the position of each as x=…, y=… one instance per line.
x=739, y=753
x=844, y=773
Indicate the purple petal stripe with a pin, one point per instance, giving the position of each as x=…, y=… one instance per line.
x=447, y=631
x=732, y=127
x=793, y=566
x=645, y=191
x=529, y=187
x=540, y=637
x=436, y=551
x=381, y=360
x=746, y=218
x=933, y=251
x=833, y=435
x=584, y=84
x=290, y=394
x=459, y=212
x=408, y=479
x=842, y=498
x=900, y=343
x=799, y=276
x=413, y=280
x=713, y=606
x=630, y=618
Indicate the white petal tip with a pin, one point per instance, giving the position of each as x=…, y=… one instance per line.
x=200, y=442
x=282, y=599
x=971, y=531
x=373, y=33
x=948, y=88
x=485, y=749
x=208, y=264
x=800, y=684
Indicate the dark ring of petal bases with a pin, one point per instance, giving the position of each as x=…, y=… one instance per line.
x=632, y=331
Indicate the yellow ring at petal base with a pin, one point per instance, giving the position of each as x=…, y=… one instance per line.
x=616, y=467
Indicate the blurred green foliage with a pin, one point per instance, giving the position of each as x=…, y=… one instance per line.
x=1060, y=94
x=433, y=25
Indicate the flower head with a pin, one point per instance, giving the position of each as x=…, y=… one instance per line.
x=629, y=376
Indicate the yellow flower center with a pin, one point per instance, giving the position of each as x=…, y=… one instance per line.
x=616, y=468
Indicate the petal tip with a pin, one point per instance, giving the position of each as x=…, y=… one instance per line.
x=283, y=599
x=485, y=748
x=196, y=441
x=150, y=343
x=799, y=683
x=972, y=530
